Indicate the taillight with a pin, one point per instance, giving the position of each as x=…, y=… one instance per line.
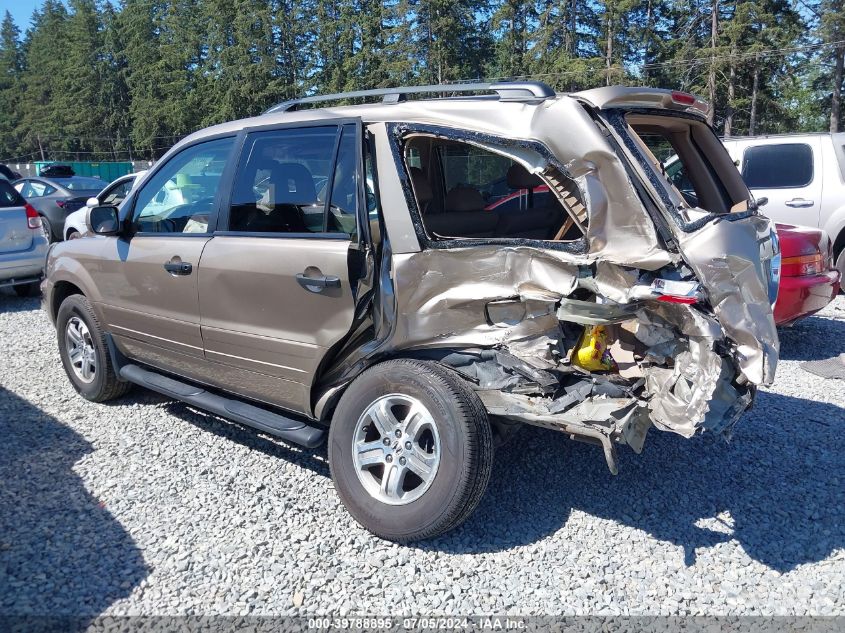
x=801, y=265
x=683, y=98
x=61, y=203
x=33, y=220
x=676, y=299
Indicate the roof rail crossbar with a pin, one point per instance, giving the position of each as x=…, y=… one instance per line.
x=523, y=91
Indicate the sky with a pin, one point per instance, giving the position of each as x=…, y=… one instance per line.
x=21, y=11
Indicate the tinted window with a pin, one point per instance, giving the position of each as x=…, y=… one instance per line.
x=179, y=198
x=342, y=211
x=778, y=166
x=35, y=189
x=81, y=183
x=285, y=178
x=9, y=197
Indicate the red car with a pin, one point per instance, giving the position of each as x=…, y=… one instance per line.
x=808, y=279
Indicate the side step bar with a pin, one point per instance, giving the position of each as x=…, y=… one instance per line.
x=276, y=424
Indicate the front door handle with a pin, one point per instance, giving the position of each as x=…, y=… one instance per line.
x=316, y=284
x=178, y=268
x=799, y=203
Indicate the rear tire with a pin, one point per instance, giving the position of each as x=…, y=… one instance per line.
x=48, y=229
x=28, y=290
x=426, y=418
x=84, y=352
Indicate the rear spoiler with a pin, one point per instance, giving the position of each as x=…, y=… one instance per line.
x=622, y=97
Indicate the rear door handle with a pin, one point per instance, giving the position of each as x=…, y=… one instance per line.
x=316, y=284
x=178, y=268
x=799, y=203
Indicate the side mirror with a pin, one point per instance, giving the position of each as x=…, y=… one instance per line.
x=762, y=202
x=92, y=202
x=103, y=220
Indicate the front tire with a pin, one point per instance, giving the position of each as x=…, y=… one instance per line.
x=410, y=450
x=73, y=234
x=84, y=353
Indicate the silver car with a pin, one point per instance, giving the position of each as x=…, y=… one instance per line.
x=23, y=244
x=55, y=198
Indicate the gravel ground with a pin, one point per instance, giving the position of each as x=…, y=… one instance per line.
x=145, y=506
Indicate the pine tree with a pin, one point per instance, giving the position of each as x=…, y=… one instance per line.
x=11, y=97
x=833, y=36
x=44, y=115
x=512, y=22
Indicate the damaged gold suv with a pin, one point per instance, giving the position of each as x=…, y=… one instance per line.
x=417, y=276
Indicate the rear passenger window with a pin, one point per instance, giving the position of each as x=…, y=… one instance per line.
x=778, y=166
x=297, y=180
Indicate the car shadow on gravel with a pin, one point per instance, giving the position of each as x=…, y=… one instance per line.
x=315, y=460
x=775, y=489
x=814, y=338
x=10, y=302
x=61, y=552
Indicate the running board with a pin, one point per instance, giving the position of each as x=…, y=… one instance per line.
x=273, y=423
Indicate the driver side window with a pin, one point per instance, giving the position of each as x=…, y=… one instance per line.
x=180, y=197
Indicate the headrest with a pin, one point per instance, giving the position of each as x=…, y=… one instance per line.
x=294, y=176
x=464, y=198
x=422, y=188
x=519, y=178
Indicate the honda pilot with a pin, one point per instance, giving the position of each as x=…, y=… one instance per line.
x=416, y=275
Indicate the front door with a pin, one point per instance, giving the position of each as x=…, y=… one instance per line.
x=274, y=286
x=149, y=279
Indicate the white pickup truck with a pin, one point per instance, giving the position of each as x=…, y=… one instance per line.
x=803, y=177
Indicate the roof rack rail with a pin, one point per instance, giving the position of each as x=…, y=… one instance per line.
x=523, y=91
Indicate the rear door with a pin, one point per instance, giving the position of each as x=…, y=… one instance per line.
x=274, y=283
x=15, y=234
x=148, y=280
x=789, y=174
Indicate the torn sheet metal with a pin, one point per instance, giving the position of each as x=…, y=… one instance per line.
x=732, y=260
x=444, y=297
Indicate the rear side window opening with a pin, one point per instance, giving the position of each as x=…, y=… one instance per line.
x=690, y=162
x=464, y=191
x=778, y=166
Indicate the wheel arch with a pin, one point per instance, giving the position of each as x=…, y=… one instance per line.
x=325, y=398
x=62, y=290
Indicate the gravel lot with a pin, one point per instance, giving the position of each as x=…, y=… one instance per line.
x=146, y=506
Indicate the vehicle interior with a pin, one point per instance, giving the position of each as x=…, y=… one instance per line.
x=707, y=177
x=465, y=191
x=282, y=185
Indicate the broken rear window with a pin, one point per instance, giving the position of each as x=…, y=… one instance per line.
x=693, y=163
x=466, y=191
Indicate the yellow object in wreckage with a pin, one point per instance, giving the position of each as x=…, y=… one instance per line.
x=591, y=353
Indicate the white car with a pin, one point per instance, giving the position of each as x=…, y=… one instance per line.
x=113, y=194
x=803, y=177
